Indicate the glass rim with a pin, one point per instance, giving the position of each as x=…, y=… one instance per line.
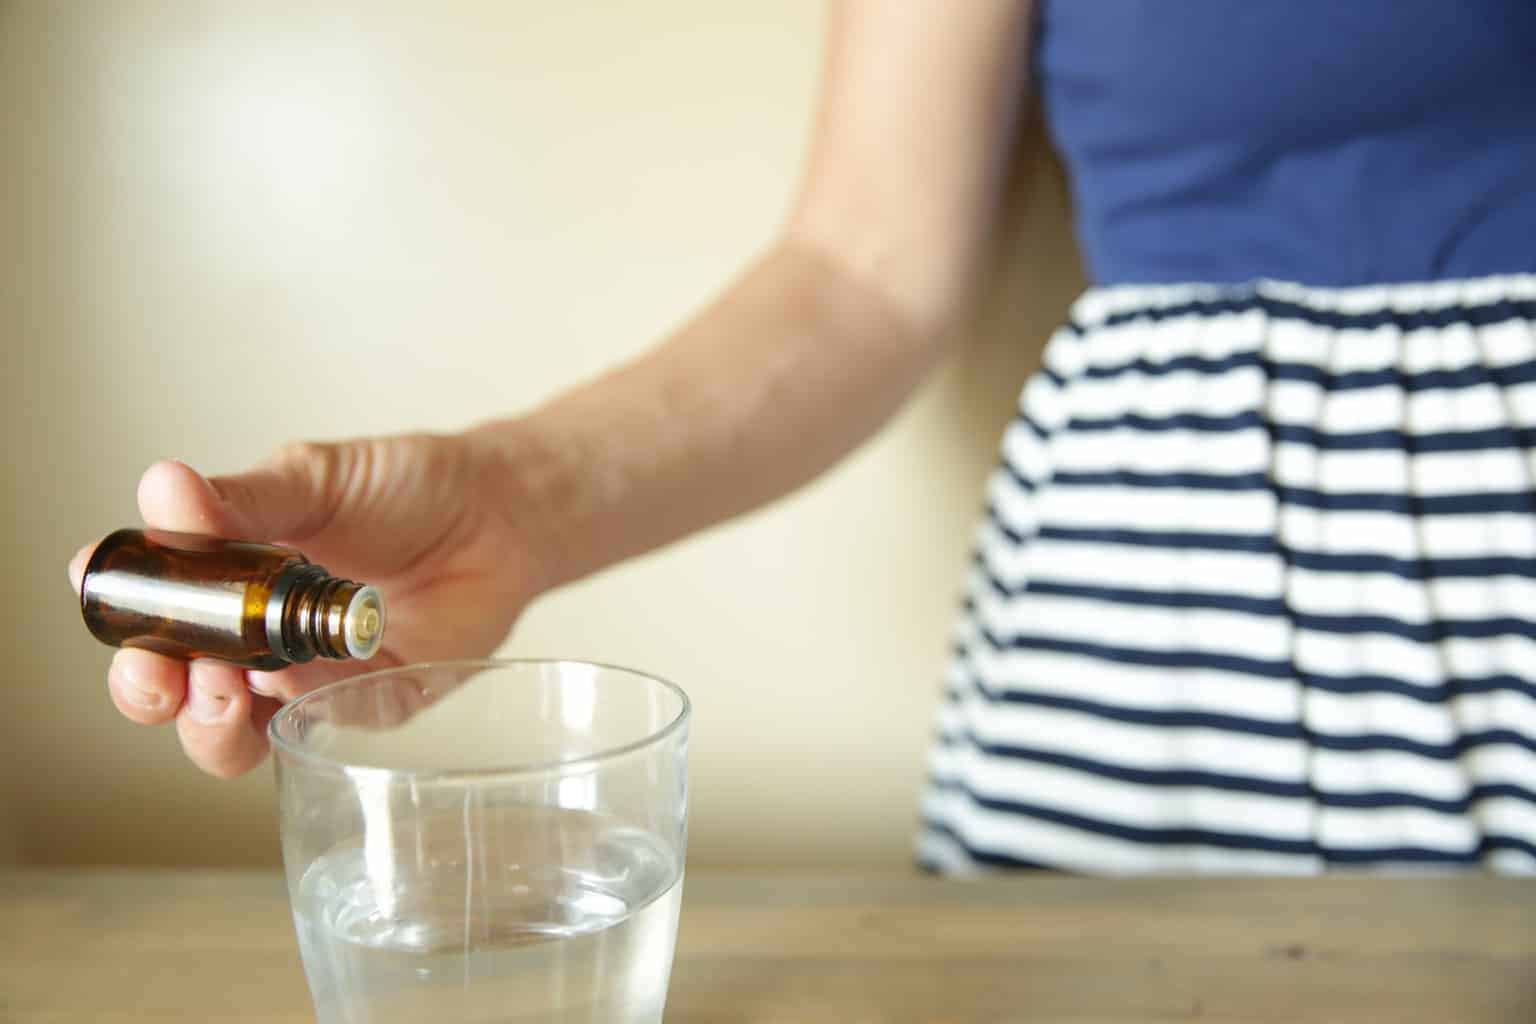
x=288, y=748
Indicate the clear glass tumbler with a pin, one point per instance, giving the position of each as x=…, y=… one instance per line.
x=486, y=841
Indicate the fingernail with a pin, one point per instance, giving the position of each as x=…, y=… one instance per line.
x=128, y=684
x=262, y=683
x=204, y=706
x=150, y=700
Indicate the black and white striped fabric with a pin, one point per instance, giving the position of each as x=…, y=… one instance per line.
x=1256, y=591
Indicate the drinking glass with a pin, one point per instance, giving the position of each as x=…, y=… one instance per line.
x=486, y=841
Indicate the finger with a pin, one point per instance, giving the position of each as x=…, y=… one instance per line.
x=275, y=685
x=291, y=495
x=147, y=688
x=262, y=711
x=381, y=704
x=174, y=496
x=292, y=683
x=216, y=723
x=77, y=566
x=288, y=497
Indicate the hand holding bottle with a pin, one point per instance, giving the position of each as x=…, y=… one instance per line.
x=421, y=517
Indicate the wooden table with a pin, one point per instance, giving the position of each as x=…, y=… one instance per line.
x=106, y=946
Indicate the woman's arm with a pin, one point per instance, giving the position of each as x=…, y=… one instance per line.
x=803, y=358
x=824, y=336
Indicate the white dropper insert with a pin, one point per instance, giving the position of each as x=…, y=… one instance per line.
x=362, y=625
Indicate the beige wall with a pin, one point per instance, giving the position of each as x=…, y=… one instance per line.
x=230, y=224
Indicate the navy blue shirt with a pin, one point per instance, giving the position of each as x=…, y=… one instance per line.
x=1328, y=142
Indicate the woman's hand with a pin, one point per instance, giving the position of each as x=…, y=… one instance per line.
x=416, y=516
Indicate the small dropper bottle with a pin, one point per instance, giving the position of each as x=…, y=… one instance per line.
x=257, y=605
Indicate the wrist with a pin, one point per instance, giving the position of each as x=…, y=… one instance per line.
x=521, y=489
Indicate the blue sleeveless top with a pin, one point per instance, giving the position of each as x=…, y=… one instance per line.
x=1326, y=142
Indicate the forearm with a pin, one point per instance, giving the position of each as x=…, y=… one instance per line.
x=790, y=369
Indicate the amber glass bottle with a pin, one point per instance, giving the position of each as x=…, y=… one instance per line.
x=256, y=605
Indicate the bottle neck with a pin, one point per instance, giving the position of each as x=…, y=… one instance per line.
x=314, y=614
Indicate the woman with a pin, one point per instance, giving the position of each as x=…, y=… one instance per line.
x=1255, y=587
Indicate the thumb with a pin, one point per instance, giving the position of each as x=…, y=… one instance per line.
x=288, y=497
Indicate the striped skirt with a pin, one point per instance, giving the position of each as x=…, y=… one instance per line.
x=1255, y=591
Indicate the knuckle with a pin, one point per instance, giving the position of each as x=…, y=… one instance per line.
x=313, y=459
x=233, y=491
x=319, y=469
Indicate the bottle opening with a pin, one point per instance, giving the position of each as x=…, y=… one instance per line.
x=363, y=623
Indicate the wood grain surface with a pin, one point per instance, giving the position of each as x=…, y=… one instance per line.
x=110, y=946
